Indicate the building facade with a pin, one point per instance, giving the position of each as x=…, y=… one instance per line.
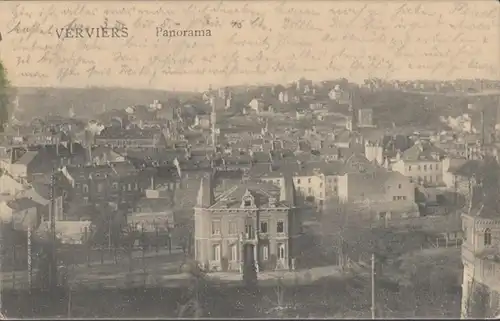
x=252, y=224
x=422, y=164
x=481, y=250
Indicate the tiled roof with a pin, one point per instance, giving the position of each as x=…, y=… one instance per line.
x=358, y=163
x=261, y=192
x=21, y=204
x=423, y=151
x=113, y=133
x=27, y=158
x=119, y=169
x=154, y=204
x=304, y=169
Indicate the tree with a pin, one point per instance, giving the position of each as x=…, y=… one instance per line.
x=4, y=97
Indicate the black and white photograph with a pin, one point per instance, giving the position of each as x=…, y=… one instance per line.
x=249, y=159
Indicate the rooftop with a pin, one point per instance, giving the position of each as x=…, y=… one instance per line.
x=422, y=151
x=261, y=193
x=21, y=204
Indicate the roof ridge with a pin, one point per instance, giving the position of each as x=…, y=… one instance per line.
x=226, y=193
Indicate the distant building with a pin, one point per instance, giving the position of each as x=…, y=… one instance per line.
x=250, y=224
x=116, y=183
x=365, y=117
x=260, y=106
x=384, y=195
x=132, y=138
x=422, y=163
x=313, y=181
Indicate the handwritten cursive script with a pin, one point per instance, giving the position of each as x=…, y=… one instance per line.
x=68, y=44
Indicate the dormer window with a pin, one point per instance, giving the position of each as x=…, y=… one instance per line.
x=247, y=200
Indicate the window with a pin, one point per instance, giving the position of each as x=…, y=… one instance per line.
x=280, y=227
x=115, y=186
x=233, y=253
x=233, y=228
x=382, y=216
x=129, y=187
x=419, y=167
x=437, y=166
x=247, y=203
x=320, y=194
x=100, y=188
x=409, y=168
x=85, y=188
x=404, y=198
x=216, y=228
x=430, y=167
x=265, y=252
x=320, y=185
x=249, y=231
x=309, y=180
x=465, y=234
x=298, y=181
x=136, y=186
x=487, y=237
x=281, y=251
x=216, y=252
x=263, y=227
x=399, y=186
x=309, y=190
x=425, y=167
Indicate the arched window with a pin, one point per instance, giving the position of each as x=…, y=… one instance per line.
x=487, y=237
x=85, y=188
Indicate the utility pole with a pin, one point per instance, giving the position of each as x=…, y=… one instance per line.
x=30, y=265
x=373, y=287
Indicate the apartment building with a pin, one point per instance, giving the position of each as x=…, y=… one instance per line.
x=253, y=223
x=314, y=181
x=422, y=164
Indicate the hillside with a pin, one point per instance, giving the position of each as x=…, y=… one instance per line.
x=38, y=102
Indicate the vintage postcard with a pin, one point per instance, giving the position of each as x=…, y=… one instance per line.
x=249, y=159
